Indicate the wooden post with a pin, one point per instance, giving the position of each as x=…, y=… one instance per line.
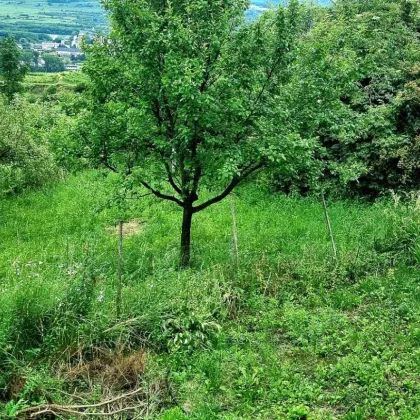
x=120, y=266
x=235, y=231
x=330, y=232
x=68, y=251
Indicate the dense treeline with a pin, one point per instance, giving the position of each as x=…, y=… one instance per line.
x=351, y=89
x=30, y=36
x=39, y=28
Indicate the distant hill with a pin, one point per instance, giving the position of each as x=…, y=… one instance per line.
x=37, y=19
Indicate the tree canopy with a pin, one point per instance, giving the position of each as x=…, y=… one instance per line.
x=12, y=70
x=53, y=63
x=355, y=86
x=184, y=97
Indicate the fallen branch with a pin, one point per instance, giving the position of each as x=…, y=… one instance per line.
x=73, y=409
x=81, y=413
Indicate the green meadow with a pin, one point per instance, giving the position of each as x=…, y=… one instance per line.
x=285, y=333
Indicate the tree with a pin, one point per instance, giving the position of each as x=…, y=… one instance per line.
x=28, y=58
x=356, y=87
x=183, y=97
x=12, y=71
x=53, y=63
x=24, y=42
x=36, y=58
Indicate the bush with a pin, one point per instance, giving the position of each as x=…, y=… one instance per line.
x=188, y=331
x=25, y=158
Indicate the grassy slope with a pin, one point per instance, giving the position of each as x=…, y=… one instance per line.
x=296, y=334
x=38, y=83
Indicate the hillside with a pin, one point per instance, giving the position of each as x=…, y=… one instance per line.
x=217, y=219
x=286, y=336
x=23, y=17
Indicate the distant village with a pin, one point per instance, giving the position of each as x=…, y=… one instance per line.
x=59, y=54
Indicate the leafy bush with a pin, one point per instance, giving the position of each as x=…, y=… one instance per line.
x=189, y=331
x=25, y=157
x=356, y=88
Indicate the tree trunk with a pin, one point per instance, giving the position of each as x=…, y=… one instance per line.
x=186, y=236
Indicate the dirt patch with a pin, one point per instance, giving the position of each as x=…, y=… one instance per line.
x=131, y=228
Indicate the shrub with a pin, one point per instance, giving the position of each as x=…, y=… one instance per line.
x=51, y=90
x=189, y=331
x=80, y=87
x=25, y=158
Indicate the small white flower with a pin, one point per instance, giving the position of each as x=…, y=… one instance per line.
x=101, y=296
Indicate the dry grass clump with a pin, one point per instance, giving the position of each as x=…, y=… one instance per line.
x=120, y=378
x=131, y=228
x=113, y=369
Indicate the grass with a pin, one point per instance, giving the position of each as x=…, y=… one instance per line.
x=286, y=336
x=38, y=84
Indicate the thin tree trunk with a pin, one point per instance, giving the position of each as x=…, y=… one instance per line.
x=327, y=217
x=186, y=236
x=234, y=232
x=120, y=267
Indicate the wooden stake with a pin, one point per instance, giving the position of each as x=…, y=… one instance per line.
x=68, y=251
x=327, y=218
x=120, y=267
x=235, y=231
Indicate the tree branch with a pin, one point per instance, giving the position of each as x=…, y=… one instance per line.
x=171, y=179
x=161, y=195
x=196, y=179
x=207, y=73
x=235, y=181
x=104, y=162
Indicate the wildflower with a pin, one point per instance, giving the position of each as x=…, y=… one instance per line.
x=101, y=296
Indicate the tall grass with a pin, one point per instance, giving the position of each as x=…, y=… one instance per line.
x=290, y=335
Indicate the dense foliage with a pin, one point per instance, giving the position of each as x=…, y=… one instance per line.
x=12, y=71
x=356, y=87
x=25, y=156
x=53, y=63
x=180, y=101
